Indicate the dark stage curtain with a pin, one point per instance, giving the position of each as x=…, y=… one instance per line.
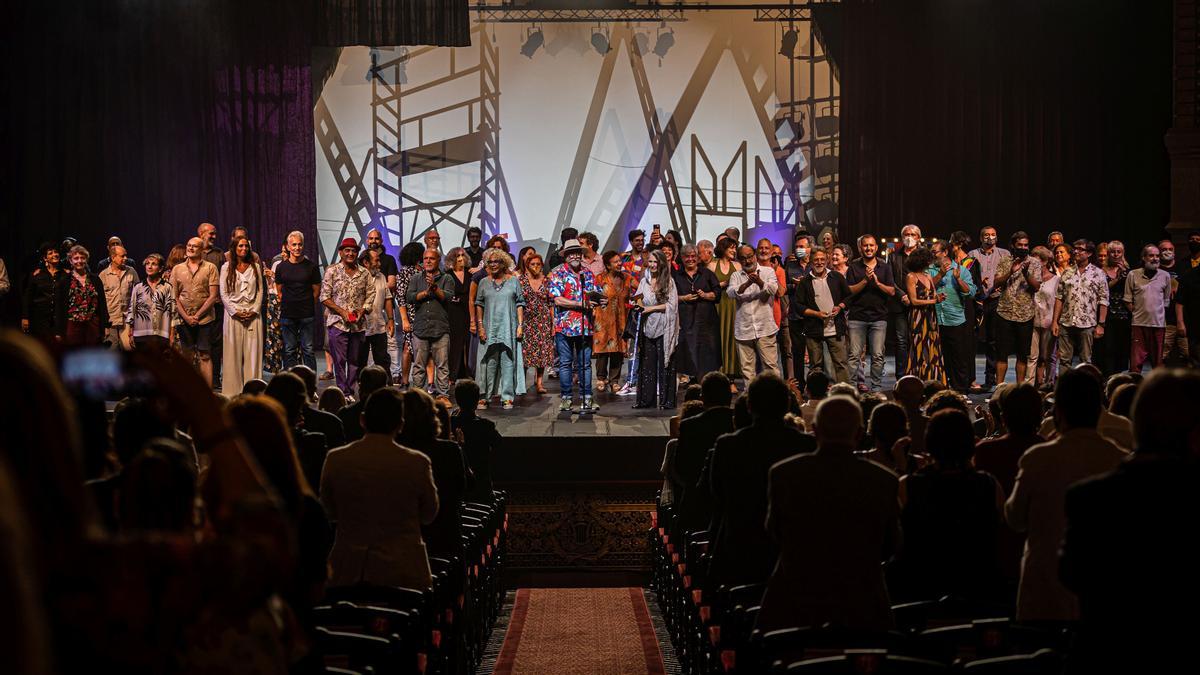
x=393, y=22
x=1024, y=114
x=145, y=118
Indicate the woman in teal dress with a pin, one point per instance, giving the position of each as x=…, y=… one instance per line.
x=500, y=311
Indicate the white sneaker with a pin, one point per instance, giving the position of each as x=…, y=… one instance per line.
x=627, y=390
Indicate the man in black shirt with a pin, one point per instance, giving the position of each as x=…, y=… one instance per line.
x=473, y=249
x=910, y=239
x=298, y=282
x=872, y=286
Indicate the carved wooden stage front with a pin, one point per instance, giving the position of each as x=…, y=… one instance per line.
x=581, y=489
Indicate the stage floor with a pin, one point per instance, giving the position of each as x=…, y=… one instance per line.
x=536, y=415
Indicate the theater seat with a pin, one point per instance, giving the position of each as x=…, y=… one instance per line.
x=866, y=662
x=1041, y=662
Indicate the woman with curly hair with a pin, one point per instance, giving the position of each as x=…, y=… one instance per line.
x=499, y=314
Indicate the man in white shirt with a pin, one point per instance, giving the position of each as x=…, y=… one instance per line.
x=753, y=289
x=1147, y=293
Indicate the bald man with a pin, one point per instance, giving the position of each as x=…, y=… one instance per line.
x=836, y=518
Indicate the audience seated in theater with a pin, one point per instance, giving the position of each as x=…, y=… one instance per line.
x=950, y=513
x=480, y=440
x=331, y=401
x=688, y=410
x=835, y=518
x=379, y=494
x=817, y=387
x=1115, y=428
x=1129, y=550
x=909, y=392
x=1121, y=401
x=420, y=432
x=887, y=425
x=316, y=419
x=1045, y=472
x=136, y=422
x=311, y=447
x=94, y=611
x=697, y=436
x=844, y=389
x=741, y=552
x=989, y=419
x=262, y=422
x=254, y=387
x=370, y=380
x=693, y=393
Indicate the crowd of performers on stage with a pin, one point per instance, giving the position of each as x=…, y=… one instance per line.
x=653, y=318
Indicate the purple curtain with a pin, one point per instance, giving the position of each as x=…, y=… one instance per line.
x=1024, y=114
x=144, y=119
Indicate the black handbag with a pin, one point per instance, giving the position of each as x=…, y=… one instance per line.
x=632, y=322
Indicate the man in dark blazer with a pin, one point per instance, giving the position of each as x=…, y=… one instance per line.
x=836, y=518
x=742, y=553
x=821, y=297
x=697, y=436
x=1128, y=551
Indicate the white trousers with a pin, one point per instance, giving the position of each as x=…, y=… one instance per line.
x=242, y=355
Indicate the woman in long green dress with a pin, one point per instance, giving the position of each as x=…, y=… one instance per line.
x=925, y=343
x=724, y=265
x=500, y=311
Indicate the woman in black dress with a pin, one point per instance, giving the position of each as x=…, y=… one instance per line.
x=457, y=263
x=38, y=302
x=699, y=347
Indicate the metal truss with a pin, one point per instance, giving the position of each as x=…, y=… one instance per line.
x=582, y=15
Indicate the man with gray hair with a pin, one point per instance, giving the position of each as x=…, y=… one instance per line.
x=753, y=288
x=705, y=249
x=836, y=518
x=1147, y=294
x=298, y=284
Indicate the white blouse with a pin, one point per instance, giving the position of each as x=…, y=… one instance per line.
x=244, y=295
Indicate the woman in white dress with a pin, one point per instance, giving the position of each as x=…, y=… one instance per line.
x=242, y=295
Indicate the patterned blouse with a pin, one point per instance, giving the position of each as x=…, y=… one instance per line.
x=1082, y=293
x=81, y=300
x=1016, y=298
x=151, y=310
x=563, y=283
x=351, y=293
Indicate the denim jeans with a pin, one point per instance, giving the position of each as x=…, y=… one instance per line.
x=297, y=342
x=574, y=358
x=874, y=335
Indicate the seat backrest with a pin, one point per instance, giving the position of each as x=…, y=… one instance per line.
x=1041, y=662
x=342, y=649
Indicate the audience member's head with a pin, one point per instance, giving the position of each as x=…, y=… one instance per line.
x=289, y=390
x=838, y=423
x=371, y=379
x=1022, y=410
x=932, y=387
x=254, y=387
x=1114, y=381
x=420, y=419
x=950, y=439
x=868, y=401
x=1077, y=400
x=948, y=399
x=1121, y=401
x=690, y=409
x=309, y=377
x=694, y=392
x=137, y=421
x=158, y=490
x=466, y=394
x=441, y=409
x=909, y=392
x=817, y=385
x=768, y=396
x=331, y=400
x=1164, y=414
x=888, y=424
x=262, y=423
x=844, y=389
x=383, y=412
x=714, y=390
x=741, y=412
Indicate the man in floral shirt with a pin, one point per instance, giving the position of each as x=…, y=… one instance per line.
x=1082, y=297
x=348, y=292
x=1018, y=276
x=574, y=291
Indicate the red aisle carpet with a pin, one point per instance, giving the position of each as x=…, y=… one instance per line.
x=580, y=631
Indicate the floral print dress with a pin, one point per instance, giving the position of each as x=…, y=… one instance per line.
x=539, y=325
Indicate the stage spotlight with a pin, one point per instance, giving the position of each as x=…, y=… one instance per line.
x=642, y=42
x=664, y=43
x=533, y=42
x=787, y=44
x=600, y=42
